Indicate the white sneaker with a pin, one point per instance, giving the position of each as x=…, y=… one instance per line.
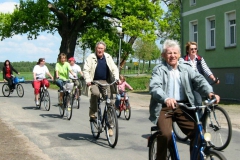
x=37, y=103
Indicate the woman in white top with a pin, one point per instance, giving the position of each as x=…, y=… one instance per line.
x=39, y=79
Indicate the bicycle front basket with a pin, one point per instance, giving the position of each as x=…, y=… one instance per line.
x=68, y=86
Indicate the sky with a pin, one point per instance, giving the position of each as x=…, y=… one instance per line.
x=19, y=48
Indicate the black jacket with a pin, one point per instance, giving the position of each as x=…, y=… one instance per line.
x=11, y=69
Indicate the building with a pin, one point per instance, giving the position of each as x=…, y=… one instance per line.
x=213, y=25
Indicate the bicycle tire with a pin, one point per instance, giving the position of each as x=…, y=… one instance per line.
x=127, y=112
x=61, y=106
x=152, y=150
x=111, y=125
x=75, y=99
x=40, y=99
x=20, y=90
x=95, y=125
x=118, y=112
x=222, y=132
x=68, y=107
x=177, y=131
x=5, y=90
x=214, y=154
x=46, y=100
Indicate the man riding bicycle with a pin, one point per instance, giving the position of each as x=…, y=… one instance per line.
x=173, y=81
x=99, y=66
x=76, y=69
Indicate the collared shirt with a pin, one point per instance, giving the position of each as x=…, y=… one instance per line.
x=175, y=89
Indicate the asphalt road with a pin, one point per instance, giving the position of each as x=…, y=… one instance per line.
x=62, y=139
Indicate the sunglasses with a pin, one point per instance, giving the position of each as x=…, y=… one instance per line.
x=193, y=49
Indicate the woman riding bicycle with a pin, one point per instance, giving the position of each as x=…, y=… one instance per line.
x=39, y=79
x=121, y=88
x=7, y=74
x=62, y=69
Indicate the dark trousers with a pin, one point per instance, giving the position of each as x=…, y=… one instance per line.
x=185, y=123
x=10, y=83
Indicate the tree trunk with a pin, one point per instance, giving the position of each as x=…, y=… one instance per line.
x=68, y=44
x=149, y=66
x=143, y=66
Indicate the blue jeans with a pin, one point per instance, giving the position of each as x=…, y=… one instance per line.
x=118, y=98
x=60, y=83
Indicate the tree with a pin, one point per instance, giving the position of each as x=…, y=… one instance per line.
x=86, y=19
x=171, y=27
x=145, y=51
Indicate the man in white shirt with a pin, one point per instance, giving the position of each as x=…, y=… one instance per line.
x=75, y=69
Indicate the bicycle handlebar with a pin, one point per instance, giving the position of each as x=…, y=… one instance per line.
x=207, y=103
x=104, y=85
x=214, y=82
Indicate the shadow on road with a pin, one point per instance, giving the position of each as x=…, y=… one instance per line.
x=84, y=137
x=30, y=107
x=51, y=116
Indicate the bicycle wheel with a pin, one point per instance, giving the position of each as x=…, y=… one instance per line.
x=218, y=124
x=111, y=127
x=95, y=125
x=46, y=100
x=118, y=112
x=68, y=106
x=152, y=151
x=5, y=90
x=40, y=99
x=213, y=154
x=61, y=106
x=20, y=90
x=127, y=112
x=76, y=99
x=179, y=134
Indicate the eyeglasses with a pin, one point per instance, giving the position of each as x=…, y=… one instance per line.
x=193, y=49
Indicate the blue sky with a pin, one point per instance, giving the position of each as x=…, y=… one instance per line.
x=19, y=48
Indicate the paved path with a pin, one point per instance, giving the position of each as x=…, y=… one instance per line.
x=45, y=135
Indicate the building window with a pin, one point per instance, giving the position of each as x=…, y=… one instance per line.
x=210, y=33
x=230, y=29
x=229, y=78
x=193, y=2
x=193, y=31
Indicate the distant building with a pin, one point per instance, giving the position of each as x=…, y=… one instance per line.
x=214, y=25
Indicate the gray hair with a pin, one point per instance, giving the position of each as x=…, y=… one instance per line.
x=170, y=43
x=101, y=42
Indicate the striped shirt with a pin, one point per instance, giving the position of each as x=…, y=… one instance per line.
x=205, y=68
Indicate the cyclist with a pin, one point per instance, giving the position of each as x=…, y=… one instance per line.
x=99, y=66
x=172, y=81
x=39, y=72
x=76, y=69
x=7, y=74
x=121, y=88
x=62, y=69
x=199, y=64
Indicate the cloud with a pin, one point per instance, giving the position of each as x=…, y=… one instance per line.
x=19, y=48
x=7, y=7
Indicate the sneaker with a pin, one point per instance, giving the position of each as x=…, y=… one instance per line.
x=110, y=132
x=37, y=103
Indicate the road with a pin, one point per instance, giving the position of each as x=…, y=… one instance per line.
x=61, y=139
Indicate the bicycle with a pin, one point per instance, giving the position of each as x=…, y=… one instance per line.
x=216, y=121
x=107, y=121
x=44, y=98
x=124, y=107
x=76, y=93
x=6, y=89
x=66, y=106
x=203, y=148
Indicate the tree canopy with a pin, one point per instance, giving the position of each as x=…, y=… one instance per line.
x=90, y=20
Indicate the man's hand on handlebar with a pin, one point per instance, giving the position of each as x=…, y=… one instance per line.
x=89, y=84
x=212, y=95
x=171, y=103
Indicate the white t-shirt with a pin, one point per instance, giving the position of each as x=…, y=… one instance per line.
x=76, y=69
x=40, y=71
